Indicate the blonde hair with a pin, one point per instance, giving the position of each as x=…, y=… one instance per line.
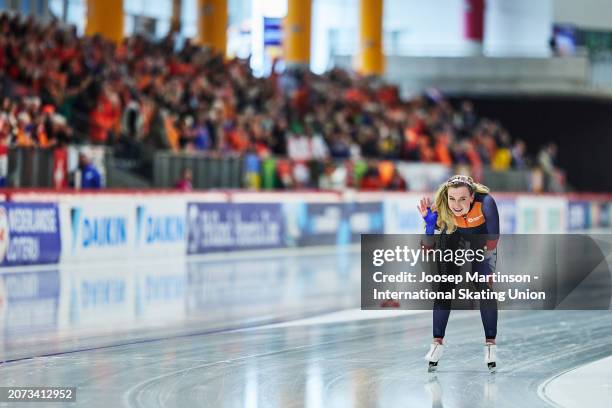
x=446, y=219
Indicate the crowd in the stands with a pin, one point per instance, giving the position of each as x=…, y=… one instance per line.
x=58, y=87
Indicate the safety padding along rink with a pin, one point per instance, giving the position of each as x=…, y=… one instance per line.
x=47, y=228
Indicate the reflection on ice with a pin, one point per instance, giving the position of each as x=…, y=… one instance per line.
x=29, y=302
x=314, y=385
x=434, y=389
x=193, y=294
x=490, y=391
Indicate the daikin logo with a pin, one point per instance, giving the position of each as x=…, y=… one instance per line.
x=97, y=231
x=155, y=228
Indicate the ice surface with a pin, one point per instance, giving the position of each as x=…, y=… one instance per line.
x=182, y=333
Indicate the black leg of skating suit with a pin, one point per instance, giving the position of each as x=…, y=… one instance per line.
x=489, y=321
x=488, y=307
x=441, y=312
x=488, y=314
x=440, y=320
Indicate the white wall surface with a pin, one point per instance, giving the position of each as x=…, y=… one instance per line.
x=518, y=27
x=593, y=14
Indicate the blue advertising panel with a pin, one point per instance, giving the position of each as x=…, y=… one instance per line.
x=322, y=224
x=507, y=215
x=579, y=215
x=364, y=218
x=230, y=227
x=311, y=224
x=29, y=234
x=604, y=215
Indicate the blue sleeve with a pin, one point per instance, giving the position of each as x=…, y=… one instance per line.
x=431, y=220
x=91, y=179
x=489, y=209
x=97, y=183
x=84, y=179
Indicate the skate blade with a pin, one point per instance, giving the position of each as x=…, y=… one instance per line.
x=432, y=367
x=492, y=367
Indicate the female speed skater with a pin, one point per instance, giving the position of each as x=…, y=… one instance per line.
x=462, y=208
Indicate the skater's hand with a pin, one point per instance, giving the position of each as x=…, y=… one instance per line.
x=424, y=205
x=429, y=214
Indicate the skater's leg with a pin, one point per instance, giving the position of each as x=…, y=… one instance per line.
x=489, y=323
x=440, y=320
x=488, y=315
x=441, y=312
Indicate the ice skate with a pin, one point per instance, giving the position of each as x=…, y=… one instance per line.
x=490, y=356
x=433, y=356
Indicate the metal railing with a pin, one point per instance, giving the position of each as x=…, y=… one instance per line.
x=208, y=171
x=30, y=167
x=33, y=168
x=507, y=180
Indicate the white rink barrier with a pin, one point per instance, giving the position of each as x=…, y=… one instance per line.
x=118, y=226
x=132, y=225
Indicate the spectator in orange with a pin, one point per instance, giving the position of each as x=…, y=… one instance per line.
x=238, y=138
x=172, y=133
x=441, y=149
x=24, y=130
x=472, y=154
x=411, y=143
x=104, y=117
x=388, y=95
x=386, y=170
x=426, y=153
